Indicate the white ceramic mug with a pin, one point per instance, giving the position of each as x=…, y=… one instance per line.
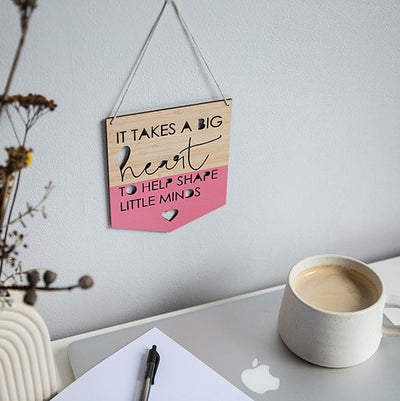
x=333, y=339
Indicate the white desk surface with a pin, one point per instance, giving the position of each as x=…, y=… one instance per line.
x=388, y=270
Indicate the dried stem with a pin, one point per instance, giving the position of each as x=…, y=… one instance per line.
x=28, y=108
x=30, y=209
x=9, y=215
x=24, y=31
x=13, y=126
x=28, y=287
x=17, y=55
x=4, y=199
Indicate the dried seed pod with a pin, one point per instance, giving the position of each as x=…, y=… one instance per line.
x=49, y=277
x=30, y=297
x=85, y=282
x=33, y=277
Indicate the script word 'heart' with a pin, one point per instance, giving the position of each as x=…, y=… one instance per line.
x=170, y=214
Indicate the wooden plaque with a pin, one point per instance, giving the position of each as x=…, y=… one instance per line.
x=168, y=167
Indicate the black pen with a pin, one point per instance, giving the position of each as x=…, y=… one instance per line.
x=153, y=359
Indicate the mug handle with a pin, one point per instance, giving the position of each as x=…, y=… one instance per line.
x=392, y=301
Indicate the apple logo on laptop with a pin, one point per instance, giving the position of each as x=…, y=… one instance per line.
x=259, y=379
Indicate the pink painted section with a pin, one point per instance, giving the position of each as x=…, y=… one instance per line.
x=192, y=194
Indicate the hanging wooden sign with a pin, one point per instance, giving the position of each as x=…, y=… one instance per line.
x=168, y=167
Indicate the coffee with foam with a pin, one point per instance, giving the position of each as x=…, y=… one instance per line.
x=335, y=288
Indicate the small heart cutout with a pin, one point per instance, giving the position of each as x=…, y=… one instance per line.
x=169, y=215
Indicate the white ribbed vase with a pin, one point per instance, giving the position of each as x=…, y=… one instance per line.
x=27, y=371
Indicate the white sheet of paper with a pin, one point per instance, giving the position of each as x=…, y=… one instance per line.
x=180, y=376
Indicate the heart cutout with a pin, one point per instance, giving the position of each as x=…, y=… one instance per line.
x=169, y=215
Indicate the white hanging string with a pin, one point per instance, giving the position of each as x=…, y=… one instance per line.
x=146, y=45
x=138, y=61
x=184, y=24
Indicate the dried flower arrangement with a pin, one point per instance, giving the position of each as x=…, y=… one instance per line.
x=28, y=109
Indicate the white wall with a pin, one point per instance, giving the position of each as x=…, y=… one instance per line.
x=315, y=144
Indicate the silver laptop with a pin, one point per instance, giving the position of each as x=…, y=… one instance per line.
x=236, y=336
